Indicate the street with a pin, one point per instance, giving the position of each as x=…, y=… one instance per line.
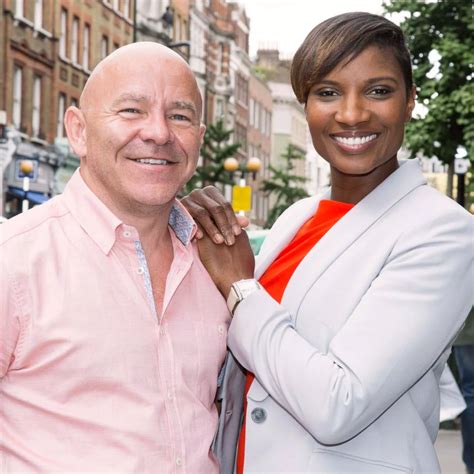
x=448, y=447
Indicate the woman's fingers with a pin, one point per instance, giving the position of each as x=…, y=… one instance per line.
x=214, y=214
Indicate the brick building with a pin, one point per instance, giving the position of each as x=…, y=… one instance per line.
x=260, y=139
x=47, y=51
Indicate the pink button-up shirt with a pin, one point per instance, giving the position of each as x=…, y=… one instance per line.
x=91, y=379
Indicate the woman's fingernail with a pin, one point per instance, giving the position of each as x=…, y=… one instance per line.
x=237, y=229
x=218, y=239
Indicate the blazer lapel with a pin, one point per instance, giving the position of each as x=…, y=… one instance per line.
x=406, y=178
x=280, y=237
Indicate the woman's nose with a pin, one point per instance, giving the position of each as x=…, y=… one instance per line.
x=353, y=110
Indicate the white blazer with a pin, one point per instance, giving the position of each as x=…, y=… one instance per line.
x=348, y=364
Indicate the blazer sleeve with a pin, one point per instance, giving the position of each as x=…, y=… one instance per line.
x=420, y=298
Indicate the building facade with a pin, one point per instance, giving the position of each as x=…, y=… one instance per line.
x=47, y=51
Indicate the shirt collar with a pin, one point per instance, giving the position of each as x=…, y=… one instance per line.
x=100, y=223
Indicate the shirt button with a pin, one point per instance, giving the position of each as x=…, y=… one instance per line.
x=162, y=330
x=127, y=234
x=170, y=395
x=179, y=461
x=259, y=415
x=220, y=328
x=140, y=270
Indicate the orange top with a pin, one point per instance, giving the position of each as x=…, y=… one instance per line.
x=278, y=274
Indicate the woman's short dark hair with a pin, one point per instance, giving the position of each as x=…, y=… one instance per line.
x=342, y=38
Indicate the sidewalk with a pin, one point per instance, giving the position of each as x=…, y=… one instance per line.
x=448, y=448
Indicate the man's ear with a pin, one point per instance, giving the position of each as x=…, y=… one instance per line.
x=76, y=130
x=410, y=104
x=202, y=131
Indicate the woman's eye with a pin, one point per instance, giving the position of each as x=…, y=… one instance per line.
x=380, y=91
x=326, y=93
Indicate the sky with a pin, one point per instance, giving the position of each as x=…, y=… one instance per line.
x=284, y=24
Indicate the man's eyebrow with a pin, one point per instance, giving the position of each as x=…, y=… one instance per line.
x=184, y=104
x=128, y=97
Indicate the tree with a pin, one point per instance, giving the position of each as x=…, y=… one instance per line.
x=284, y=184
x=215, y=149
x=441, y=29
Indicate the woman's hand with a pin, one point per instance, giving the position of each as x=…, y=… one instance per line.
x=214, y=215
x=227, y=264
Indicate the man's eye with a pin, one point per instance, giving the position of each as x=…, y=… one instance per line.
x=130, y=110
x=180, y=117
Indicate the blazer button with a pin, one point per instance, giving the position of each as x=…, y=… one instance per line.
x=259, y=415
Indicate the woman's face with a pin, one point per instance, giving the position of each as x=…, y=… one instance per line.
x=357, y=113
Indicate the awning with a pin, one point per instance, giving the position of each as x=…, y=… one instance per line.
x=32, y=196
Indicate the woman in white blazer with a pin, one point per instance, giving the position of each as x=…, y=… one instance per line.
x=347, y=364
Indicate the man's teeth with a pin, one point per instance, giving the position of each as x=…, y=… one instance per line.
x=150, y=161
x=354, y=141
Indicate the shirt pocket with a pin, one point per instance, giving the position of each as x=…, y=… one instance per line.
x=330, y=461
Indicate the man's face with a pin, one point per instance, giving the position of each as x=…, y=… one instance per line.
x=142, y=133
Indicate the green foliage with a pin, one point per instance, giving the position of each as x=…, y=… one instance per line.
x=446, y=27
x=284, y=185
x=214, y=151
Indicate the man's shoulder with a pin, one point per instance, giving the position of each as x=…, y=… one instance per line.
x=32, y=223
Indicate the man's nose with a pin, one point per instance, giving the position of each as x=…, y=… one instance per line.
x=156, y=128
x=352, y=110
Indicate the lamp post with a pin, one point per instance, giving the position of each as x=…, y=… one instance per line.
x=242, y=194
x=26, y=169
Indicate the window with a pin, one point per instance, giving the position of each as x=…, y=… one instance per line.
x=74, y=102
x=252, y=105
x=219, y=108
x=19, y=8
x=85, y=46
x=38, y=14
x=75, y=40
x=17, y=96
x=36, y=118
x=116, y=5
x=60, y=121
x=104, y=47
x=116, y=46
x=126, y=8
x=63, y=34
x=220, y=57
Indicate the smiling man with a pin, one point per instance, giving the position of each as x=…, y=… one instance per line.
x=112, y=334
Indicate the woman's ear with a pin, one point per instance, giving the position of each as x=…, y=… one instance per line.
x=410, y=104
x=75, y=124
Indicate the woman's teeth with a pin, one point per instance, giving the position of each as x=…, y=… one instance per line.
x=354, y=141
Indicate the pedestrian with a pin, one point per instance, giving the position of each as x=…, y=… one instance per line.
x=112, y=332
x=360, y=292
x=464, y=356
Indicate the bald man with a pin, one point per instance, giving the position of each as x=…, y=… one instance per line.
x=112, y=334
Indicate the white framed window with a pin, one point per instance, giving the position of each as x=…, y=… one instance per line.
x=85, y=46
x=116, y=5
x=251, y=107
x=63, y=34
x=36, y=118
x=60, y=120
x=126, y=8
x=75, y=40
x=17, y=96
x=104, y=47
x=220, y=57
x=20, y=8
x=38, y=14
